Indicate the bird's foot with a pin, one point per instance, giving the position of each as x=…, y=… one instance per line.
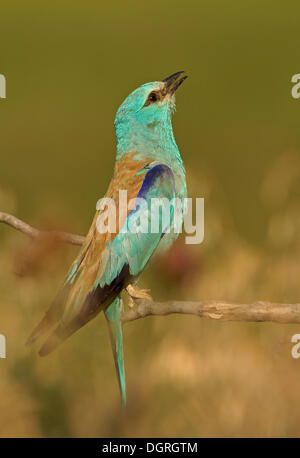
x=134, y=292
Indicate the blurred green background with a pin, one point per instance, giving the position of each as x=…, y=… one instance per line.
x=68, y=67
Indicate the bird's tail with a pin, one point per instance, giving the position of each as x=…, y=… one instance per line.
x=113, y=316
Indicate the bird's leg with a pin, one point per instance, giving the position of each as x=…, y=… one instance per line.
x=134, y=292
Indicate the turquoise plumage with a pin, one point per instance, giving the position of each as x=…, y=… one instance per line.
x=148, y=166
x=113, y=316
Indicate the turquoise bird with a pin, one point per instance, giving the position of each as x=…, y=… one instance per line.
x=148, y=165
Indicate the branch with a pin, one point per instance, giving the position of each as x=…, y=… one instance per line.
x=217, y=310
x=16, y=223
x=214, y=310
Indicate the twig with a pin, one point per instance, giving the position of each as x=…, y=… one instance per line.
x=214, y=310
x=21, y=226
x=217, y=310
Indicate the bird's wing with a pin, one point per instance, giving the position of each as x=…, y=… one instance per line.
x=108, y=262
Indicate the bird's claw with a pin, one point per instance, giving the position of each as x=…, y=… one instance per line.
x=134, y=292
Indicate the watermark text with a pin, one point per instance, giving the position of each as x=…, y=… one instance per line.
x=2, y=346
x=2, y=87
x=152, y=216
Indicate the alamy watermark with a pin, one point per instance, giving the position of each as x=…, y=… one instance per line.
x=2, y=346
x=154, y=215
x=2, y=87
x=295, y=348
x=296, y=88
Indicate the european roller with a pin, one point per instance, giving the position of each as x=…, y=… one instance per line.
x=148, y=165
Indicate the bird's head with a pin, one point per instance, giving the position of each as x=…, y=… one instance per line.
x=145, y=115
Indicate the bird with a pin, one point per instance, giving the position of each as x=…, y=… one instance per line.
x=148, y=165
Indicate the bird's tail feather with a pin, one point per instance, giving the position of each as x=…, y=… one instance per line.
x=113, y=316
x=40, y=329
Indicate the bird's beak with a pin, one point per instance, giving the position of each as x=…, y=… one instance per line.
x=172, y=83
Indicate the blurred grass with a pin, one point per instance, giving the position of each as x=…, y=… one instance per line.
x=68, y=66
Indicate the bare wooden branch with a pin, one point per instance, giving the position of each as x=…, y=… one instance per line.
x=214, y=310
x=32, y=232
x=217, y=310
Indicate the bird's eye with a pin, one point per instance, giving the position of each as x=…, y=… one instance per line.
x=152, y=97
